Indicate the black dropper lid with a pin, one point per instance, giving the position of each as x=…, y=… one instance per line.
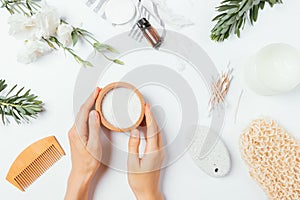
x=143, y=23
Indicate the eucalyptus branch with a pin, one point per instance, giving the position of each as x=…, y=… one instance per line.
x=234, y=14
x=53, y=40
x=97, y=46
x=26, y=7
x=21, y=107
x=29, y=8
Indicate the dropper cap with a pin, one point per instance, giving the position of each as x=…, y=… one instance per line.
x=143, y=23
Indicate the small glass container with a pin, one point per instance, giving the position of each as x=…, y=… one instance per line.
x=150, y=33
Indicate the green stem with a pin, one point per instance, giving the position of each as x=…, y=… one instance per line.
x=35, y=4
x=69, y=50
x=8, y=104
x=108, y=58
x=87, y=40
x=23, y=6
x=22, y=10
x=87, y=35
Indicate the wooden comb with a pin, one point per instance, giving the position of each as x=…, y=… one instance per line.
x=34, y=161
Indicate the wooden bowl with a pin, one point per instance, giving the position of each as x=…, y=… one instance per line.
x=101, y=96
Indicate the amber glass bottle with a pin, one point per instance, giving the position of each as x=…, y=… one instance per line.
x=150, y=33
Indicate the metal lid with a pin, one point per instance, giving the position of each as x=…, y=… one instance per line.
x=143, y=23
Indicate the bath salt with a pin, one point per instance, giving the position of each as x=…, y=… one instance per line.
x=121, y=107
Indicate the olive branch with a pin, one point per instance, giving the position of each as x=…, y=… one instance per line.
x=21, y=106
x=234, y=14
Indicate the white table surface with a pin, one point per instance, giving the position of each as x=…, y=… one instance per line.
x=53, y=78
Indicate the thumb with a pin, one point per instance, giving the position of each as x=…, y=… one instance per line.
x=94, y=144
x=133, y=148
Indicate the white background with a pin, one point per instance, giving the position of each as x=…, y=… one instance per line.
x=53, y=78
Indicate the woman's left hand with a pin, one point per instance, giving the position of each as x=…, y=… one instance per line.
x=86, y=149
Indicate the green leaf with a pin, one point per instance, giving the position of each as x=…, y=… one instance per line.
x=74, y=37
x=87, y=64
x=232, y=16
x=262, y=5
x=255, y=12
x=11, y=90
x=118, y=62
x=18, y=106
x=100, y=47
x=50, y=44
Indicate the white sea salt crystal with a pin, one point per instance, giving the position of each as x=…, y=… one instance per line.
x=121, y=107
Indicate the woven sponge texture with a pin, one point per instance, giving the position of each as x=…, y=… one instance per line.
x=273, y=158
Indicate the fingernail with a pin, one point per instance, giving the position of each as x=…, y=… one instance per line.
x=134, y=133
x=147, y=108
x=94, y=115
x=96, y=92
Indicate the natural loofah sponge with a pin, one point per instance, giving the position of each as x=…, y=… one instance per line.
x=273, y=158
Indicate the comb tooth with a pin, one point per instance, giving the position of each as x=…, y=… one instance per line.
x=41, y=160
x=54, y=155
x=19, y=182
x=46, y=160
x=39, y=170
x=27, y=175
x=40, y=165
x=52, y=150
x=50, y=156
x=36, y=168
x=32, y=173
x=57, y=153
x=25, y=182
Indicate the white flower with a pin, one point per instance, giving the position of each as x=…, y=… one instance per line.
x=64, y=34
x=47, y=20
x=32, y=51
x=42, y=24
x=22, y=27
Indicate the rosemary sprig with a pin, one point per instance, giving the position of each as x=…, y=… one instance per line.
x=21, y=106
x=234, y=14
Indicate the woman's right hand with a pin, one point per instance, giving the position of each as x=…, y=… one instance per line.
x=144, y=173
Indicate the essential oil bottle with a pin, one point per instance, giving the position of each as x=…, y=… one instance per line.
x=150, y=33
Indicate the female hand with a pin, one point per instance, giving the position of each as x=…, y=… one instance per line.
x=144, y=173
x=86, y=150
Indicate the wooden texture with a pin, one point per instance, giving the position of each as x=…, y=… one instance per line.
x=102, y=94
x=34, y=161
